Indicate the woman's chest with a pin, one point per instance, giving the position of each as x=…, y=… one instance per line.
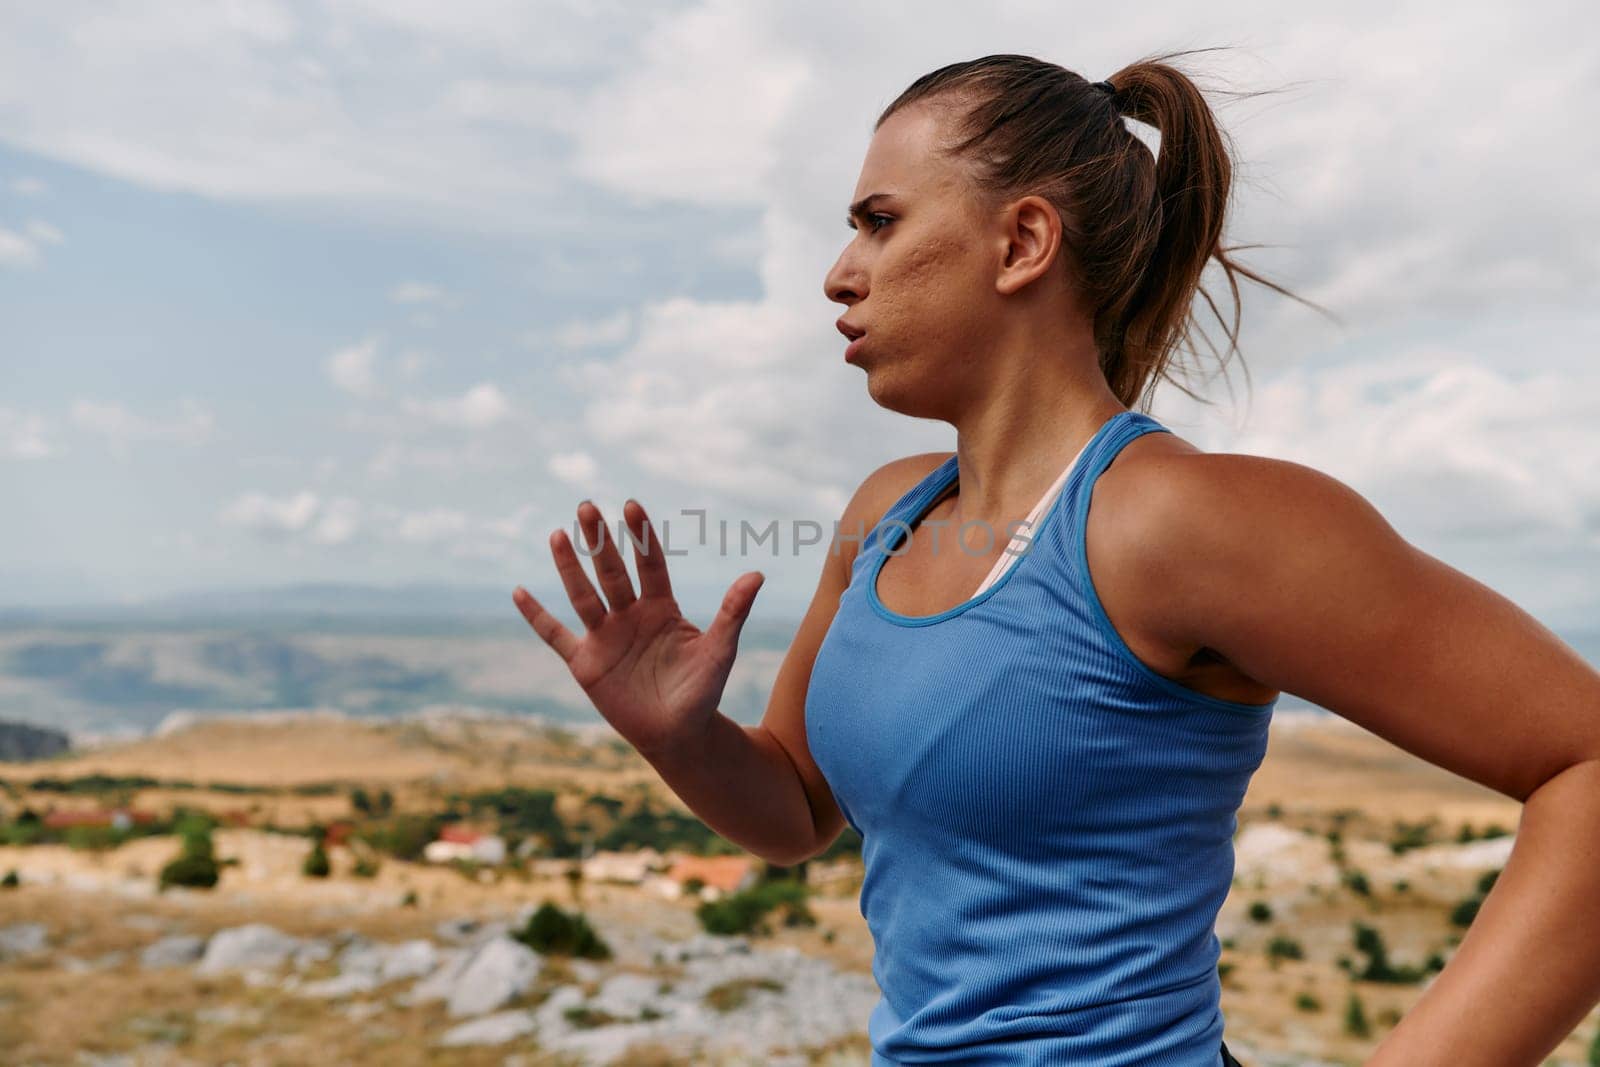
x=957, y=724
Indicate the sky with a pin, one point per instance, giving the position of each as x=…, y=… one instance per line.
x=379, y=291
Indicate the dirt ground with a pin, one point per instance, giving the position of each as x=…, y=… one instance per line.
x=1317, y=774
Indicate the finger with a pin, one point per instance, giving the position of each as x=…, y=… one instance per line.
x=608, y=565
x=724, y=629
x=651, y=561
x=585, y=601
x=546, y=625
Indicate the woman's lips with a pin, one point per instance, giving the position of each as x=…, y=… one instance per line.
x=853, y=347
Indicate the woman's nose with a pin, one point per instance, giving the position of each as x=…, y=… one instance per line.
x=843, y=283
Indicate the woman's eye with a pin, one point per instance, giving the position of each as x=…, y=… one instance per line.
x=873, y=225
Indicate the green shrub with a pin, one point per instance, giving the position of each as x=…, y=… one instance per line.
x=1465, y=911
x=1285, y=948
x=1411, y=835
x=402, y=836
x=12, y=880
x=316, y=864
x=583, y=1017
x=94, y=838
x=745, y=912
x=1260, y=911
x=196, y=864
x=1357, y=883
x=1307, y=1002
x=1355, y=1018
x=552, y=931
x=1369, y=941
x=195, y=872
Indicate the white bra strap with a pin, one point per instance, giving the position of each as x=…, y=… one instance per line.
x=1019, y=543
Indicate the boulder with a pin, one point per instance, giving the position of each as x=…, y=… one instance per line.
x=250, y=947
x=494, y=1029
x=499, y=970
x=179, y=950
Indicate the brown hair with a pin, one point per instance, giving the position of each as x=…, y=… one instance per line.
x=1137, y=231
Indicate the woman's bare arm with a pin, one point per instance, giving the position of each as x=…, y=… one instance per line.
x=1300, y=583
x=757, y=786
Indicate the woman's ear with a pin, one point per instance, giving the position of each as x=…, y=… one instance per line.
x=1030, y=238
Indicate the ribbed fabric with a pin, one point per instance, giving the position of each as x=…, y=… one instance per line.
x=1047, y=824
x=1019, y=543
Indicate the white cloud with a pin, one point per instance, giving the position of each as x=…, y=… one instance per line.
x=26, y=186
x=432, y=526
x=273, y=517
x=310, y=519
x=25, y=435
x=338, y=522
x=1447, y=447
x=16, y=250
x=1377, y=194
x=693, y=400
x=354, y=367
x=121, y=428
x=720, y=155
x=512, y=526
x=587, y=333
x=412, y=362
x=574, y=468
x=479, y=407
x=304, y=515
x=461, y=535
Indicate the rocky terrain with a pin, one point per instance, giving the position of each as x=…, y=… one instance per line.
x=417, y=964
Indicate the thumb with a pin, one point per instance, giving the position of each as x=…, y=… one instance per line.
x=736, y=603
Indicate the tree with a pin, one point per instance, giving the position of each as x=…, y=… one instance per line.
x=196, y=863
x=1355, y=1018
x=316, y=864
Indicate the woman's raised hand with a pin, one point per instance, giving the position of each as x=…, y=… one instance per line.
x=654, y=675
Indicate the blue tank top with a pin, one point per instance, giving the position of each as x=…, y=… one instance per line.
x=1047, y=824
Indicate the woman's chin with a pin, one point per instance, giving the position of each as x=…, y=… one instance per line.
x=887, y=394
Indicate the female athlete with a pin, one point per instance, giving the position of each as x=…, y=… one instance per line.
x=1044, y=728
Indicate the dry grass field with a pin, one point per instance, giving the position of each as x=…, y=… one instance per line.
x=88, y=995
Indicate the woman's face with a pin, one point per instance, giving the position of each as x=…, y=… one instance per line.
x=918, y=273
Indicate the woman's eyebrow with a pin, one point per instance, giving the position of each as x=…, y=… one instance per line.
x=859, y=209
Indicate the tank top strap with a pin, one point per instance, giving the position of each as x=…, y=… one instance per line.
x=890, y=530
x=1065, y=533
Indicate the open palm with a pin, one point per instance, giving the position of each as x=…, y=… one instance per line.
x=655, y=676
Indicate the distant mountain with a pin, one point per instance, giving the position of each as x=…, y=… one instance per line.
x=418, y=607
x=342, y=598
x=21, y=741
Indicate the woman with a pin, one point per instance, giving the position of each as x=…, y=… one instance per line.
x=1044, y=751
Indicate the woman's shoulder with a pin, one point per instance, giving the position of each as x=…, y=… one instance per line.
x=882, y=489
